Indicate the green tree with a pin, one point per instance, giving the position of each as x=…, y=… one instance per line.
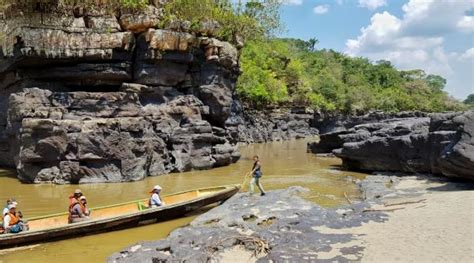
x=331, y=81
x=469, y=100
x=312, y=42
x=436, y=82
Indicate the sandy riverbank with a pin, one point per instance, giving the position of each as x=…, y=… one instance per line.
x=436, y=226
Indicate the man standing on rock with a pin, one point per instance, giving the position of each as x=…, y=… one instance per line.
x=256, y=174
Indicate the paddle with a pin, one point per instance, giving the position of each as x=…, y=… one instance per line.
x=244, y=181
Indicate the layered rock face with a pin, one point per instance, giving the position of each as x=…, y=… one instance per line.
x=439, y=144
x=271, y=125
x=87, y=97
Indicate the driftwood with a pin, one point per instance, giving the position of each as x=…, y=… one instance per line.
x=405, y=203
x=260, y=246
x=382, y=210
x=347, y=198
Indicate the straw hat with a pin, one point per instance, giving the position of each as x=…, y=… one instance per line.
x=156, y=188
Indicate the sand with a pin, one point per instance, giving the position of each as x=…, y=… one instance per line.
x=439, y=227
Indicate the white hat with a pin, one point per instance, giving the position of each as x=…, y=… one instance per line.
x=157, y=187
x=11, y=206
x=14, y=203
x=82, y=197
x=78, y=191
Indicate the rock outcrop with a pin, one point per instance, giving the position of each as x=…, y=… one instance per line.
x=86, y=96
x=91, y=97
x=284, y=226
x=270, y=125
x=439, y=144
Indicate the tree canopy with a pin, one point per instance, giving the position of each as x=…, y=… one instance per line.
x=293, y=72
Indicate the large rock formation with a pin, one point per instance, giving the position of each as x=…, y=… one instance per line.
x=438, y=144
x=271, y=125
x=86, y=96
x=282, y=226
x=91, y=97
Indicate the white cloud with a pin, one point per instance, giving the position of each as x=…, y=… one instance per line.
x=321, y=9
x=434, y=17
x=339, y=2
x=417, y=39
x=372, y=4
x=468, y=55
x=466, y=23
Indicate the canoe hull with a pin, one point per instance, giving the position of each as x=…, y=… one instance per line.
x=146, y=217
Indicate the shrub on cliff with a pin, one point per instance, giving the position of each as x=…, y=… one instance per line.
x=331, y=81
x=236, y=20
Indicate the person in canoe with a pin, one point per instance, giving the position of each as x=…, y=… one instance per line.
x=12, y=222
x=78, y=211
x=9, y=202
x=155, y=199
x=74, y=198
x=256, y=174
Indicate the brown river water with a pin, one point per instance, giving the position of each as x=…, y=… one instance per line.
x=284, y=164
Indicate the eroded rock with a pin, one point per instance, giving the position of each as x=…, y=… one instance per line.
x=439, y=143
x=281, y=220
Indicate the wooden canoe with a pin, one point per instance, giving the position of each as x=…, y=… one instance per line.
x=115, y=217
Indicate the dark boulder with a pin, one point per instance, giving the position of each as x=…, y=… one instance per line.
x=439, y=144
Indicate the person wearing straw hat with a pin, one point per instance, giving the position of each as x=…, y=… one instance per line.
x=155, y=200
x=74, y=197
x=9, y=202
x=78, y=211
x=12, y=223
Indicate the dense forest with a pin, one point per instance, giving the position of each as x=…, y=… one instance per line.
x=293, y=71
x=289, y=72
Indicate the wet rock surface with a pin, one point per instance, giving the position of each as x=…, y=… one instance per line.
x=281, y=219
x=439, y=144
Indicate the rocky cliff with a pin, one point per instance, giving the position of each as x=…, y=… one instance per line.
x=438, y=143
x=86, y=96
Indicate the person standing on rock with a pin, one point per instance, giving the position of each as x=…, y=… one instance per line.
x=256, y=174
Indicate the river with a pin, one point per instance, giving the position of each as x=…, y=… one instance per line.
x=283, y=163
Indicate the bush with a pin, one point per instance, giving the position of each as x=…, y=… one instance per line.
x=252, y=20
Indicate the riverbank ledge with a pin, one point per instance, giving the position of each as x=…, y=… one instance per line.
x=438, y=143
x=282, y=226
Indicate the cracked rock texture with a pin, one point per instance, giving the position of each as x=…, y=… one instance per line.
x=440, y=143
x=285, y=221
x=87, y=96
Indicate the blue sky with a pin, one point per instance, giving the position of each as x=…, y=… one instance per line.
x=434, y=35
